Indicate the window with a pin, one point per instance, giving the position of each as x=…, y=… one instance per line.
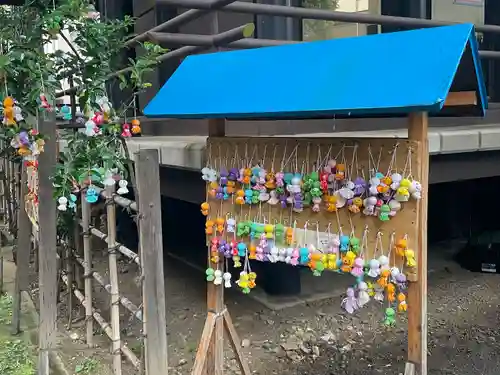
x=318, y=30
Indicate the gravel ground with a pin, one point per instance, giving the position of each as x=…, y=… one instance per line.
x=320, y=338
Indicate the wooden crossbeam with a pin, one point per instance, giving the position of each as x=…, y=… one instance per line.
x=460, y=98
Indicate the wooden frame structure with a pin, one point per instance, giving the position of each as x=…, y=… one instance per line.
x=72, y=260
x=323, y=79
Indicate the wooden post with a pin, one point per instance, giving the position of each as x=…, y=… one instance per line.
x=113, y=280
x=215, y=294
x=151, y=242
x=48, y=279
x=7, y=191
x=417, y=291
x=210, y=355
x=87, y=257
x=23, y=255
x=17, y=194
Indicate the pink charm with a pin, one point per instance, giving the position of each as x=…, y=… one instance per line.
x=279, y=179
x=126, y=131
x=295, y=257
x=259, y=254
x=357, y=269
x=350, y=304
x=98, y=118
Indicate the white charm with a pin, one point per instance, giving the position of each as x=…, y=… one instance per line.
x=122, y=187
x=363, y=296
x=109, y=180
x=90, y=127
x=218, y=277
x=63, y=204
x=227, y=279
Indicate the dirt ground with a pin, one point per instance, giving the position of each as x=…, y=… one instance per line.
x=319, y=338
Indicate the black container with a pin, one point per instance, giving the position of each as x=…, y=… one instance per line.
x=482, y=253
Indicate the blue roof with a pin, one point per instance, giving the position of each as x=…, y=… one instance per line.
x=376, y=75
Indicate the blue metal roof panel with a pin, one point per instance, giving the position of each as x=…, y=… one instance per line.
x=383, y=74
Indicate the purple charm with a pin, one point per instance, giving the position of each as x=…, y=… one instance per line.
x=298, y=201
x=359, y=186
x=401, y=280
x=234, y=174
x=23, y=138
x=219, y=194
x=223, y=176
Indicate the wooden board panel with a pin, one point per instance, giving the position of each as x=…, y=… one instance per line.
x=303, y=155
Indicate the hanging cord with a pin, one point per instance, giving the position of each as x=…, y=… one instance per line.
x=391, y=246
x=364, y=242
x=254, y=151
x=392, y=163
x=378, y=245
x=282, y=165
x=354, y=161
x=373, y=165
x=324, y=162
x=275, y=148
x=407, y=168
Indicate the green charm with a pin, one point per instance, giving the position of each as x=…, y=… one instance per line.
x=390, y=320
x=210, y=274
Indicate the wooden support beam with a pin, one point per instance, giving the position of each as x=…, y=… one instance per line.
x=217, y=127
x=417, y=291
x=151, y=244
x=207, y=337
x=460, y=98
x=48, y=278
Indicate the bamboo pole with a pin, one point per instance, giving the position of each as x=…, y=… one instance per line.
x=151, y=243
x=119, y=247
x=125, y=302
x=78, y=245
x=70, y=274
x=105, y=326
x=113, y=279
x=87, y=270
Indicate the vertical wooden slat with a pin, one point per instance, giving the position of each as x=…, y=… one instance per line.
x=87, y=257
x=151, y=243
x=23, y=255
x=8, y=196
x=113, y=280
x=417, y=291
x=17, y=195
x=48, y=277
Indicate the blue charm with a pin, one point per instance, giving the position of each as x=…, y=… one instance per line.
x=242, y=249
x=72, y=202
x=66, y=112
x=91, y=195
x=344, y=243
x=304, y=255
